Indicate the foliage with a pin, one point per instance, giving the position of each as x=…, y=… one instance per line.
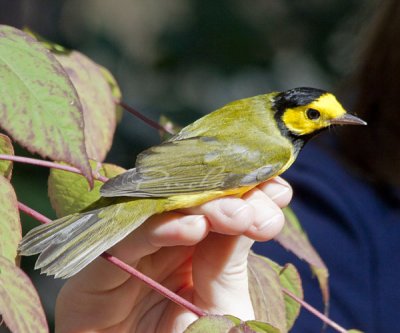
x=229, y=324
x=261, y=268
x=294, y=239
x=69, y=193
x=40, y=107
x=62, y=105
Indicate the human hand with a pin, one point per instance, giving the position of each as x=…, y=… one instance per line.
x=199, y=253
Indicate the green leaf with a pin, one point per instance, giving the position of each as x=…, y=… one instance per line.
x=210, y=324
x=229, y=324
x=39, y=107
x=10, y=225
x=260, y=327
x=96, y=96
x=235, y=320
x=20, y=305
x=294, y=239
x=290, y=280
x=69, y=192
x=7, y=149
x=354, y=331
x=266, y=293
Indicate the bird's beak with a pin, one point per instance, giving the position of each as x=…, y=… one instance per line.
x=347, y=119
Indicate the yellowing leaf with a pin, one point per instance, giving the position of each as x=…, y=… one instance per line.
x=290, y=280
x=266, y=293
x=96, y=96
x=53, y=47
x=20, y=305
x=69, y=192
x=260, y=327
x=115, y=90
x=7, y=149
x=10, y=225
x=294, y=239
x=233, y=319
x=39, y=107
x=210, y=324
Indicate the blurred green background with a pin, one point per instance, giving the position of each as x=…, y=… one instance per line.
x=185, y=58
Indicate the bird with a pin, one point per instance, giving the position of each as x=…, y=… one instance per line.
x=227, y=152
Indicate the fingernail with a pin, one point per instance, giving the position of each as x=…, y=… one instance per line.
x=277, y=188
x=281, y=181
x=232, y=206
x=192, y=219
x=267, y=223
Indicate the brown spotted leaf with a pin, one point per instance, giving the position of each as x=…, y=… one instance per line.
x=260, y=327
x=294, y=239
x=96, y=96
x=229, y=324
x=69, y=192
x=266, y=293
x=211, y=324
x=290, y=280
x=20, y=305
x=39, y=106
x=7, y=149
x=10, y=225
x=85, y=74
x=250, y=326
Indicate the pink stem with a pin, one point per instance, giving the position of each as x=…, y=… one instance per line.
x=142, y=117
x=101, y=178
x=125, y=267
x=315, y=312
x=155, y=285
x=33, y=213
x=47, y=164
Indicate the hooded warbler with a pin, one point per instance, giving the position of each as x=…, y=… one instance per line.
x=227, y=152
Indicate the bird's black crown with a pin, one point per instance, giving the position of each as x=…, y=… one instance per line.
x=296, y=97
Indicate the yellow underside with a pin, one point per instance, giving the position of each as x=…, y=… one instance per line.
x=191, y=200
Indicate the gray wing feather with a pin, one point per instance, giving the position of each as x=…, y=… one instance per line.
x=190, y=166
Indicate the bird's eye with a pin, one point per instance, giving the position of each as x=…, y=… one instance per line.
x=313, y=114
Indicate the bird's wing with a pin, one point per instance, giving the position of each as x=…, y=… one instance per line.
x=194, y=165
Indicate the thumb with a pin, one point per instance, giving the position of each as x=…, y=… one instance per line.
x=220, y=278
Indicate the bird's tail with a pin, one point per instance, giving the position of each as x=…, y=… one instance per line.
x=70, y=243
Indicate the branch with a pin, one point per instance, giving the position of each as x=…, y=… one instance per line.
x=33, y=213
x=143, y=118
x=129, y=269
x=315, y=312
x=155, y=285
x=48, y=164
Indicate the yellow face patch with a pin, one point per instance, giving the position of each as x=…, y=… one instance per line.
x=298, y=121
